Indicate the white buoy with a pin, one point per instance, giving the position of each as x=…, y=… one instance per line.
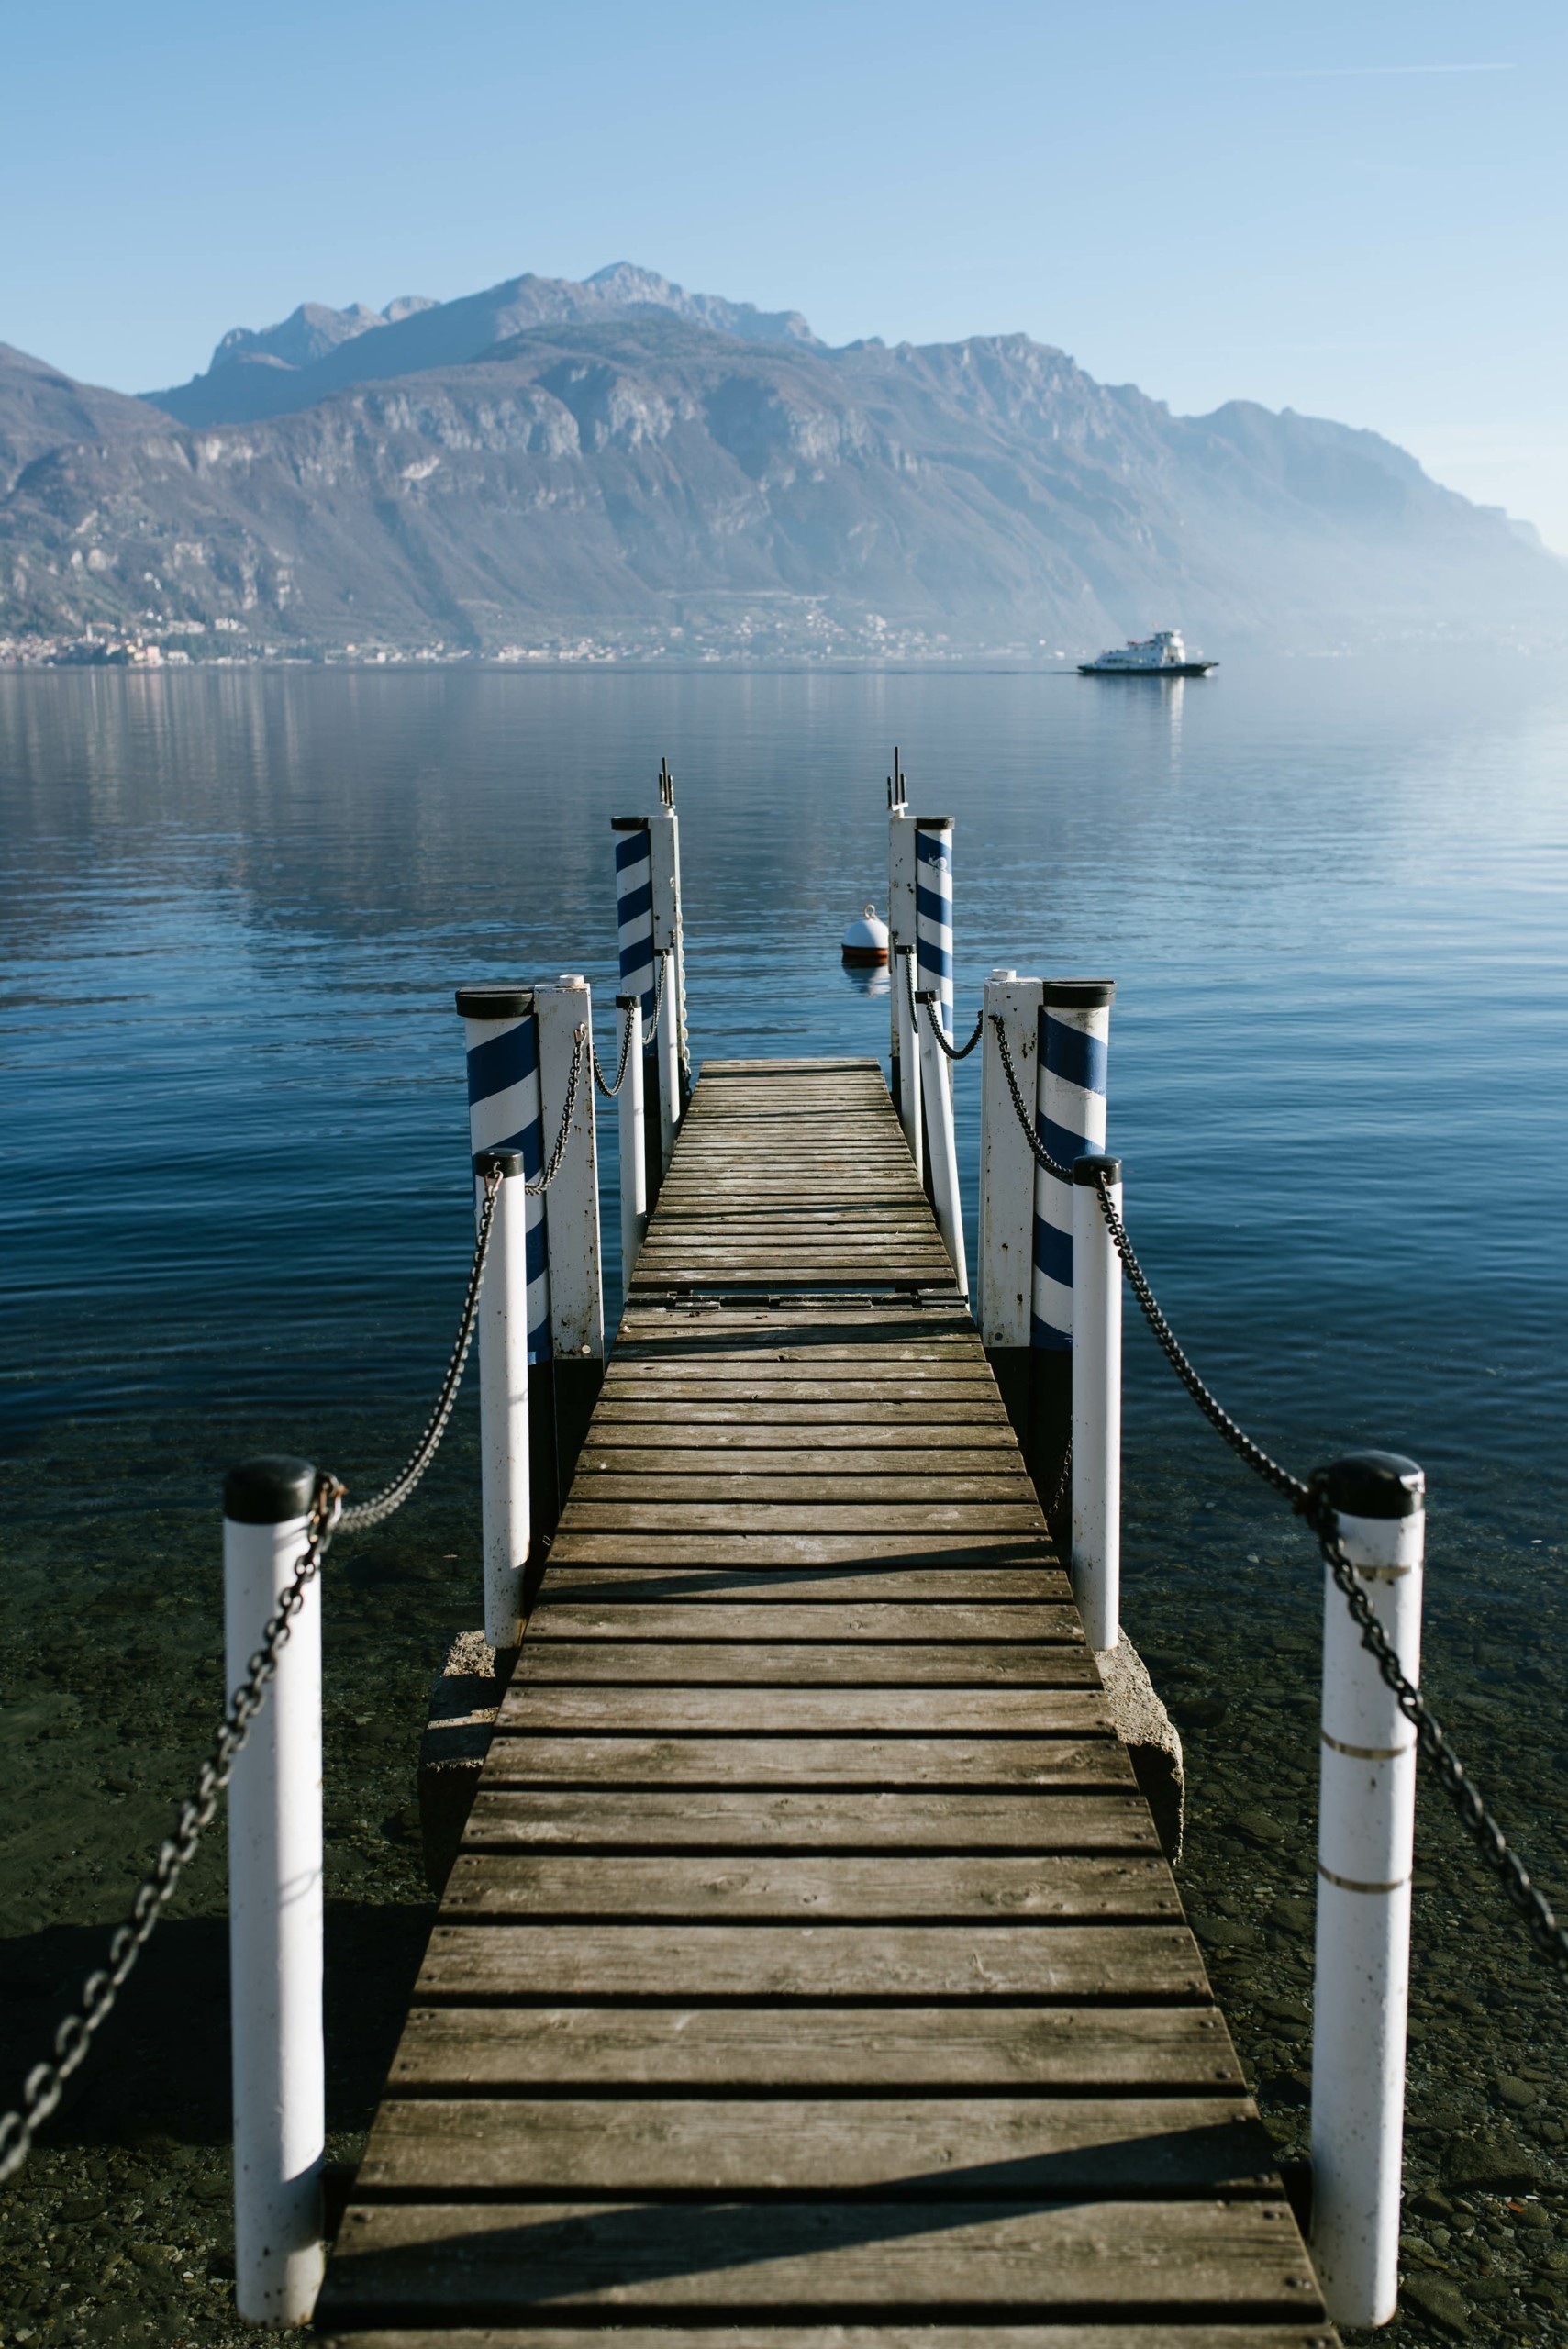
x=865, y=940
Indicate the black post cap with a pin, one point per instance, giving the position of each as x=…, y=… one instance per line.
x=630, y=823
x=269, y=1491
x=494, y=1003
x=627, y=1002
x=505, y=1161
x=1372, y=1484
x=933, y=823
x=926, y=995
x=1079, y=995
x=1088, y=1169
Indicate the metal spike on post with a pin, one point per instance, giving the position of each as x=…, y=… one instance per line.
x=936, y=1087
x=633, y=1165
x=571, y=1218
x=1366, y=1854
x=1097, y=1404
x=506, y=1530
x=505, y=1112
x=275, y=1903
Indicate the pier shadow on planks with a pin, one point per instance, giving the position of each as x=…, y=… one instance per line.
x=810, y=1972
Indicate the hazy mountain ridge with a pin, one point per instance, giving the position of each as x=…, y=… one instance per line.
x=648, y=482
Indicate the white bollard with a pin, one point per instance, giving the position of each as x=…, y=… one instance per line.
x=633, y=1165
x=275, y=1903
x=902, y=931
x=1096, y=1405
x=669, y=936
x=904, y=1020
x=1366, y=1852
x=669, y=1043
x=1006, y=1275
x=506, y=1507
x=936, y=1088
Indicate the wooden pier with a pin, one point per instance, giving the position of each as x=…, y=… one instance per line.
x=810, y=1974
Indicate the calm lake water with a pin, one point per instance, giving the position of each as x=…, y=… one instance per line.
x=234, y=1208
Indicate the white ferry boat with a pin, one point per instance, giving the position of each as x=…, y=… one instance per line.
x=1163, y=655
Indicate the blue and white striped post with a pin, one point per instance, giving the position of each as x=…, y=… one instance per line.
x=505, y=1112
x=1072, y=1039
x=933, y=907
x=634, y=929
x=1069, y=1118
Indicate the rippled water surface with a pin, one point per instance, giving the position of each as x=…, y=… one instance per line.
x=234, y=1216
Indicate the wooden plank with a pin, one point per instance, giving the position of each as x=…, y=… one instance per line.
x=1011, y=1590
x=882, y=2261
x=977, y=2045
x=1109, y=2334
x=949, y=2149
x=851, y=1414
x=774, y=1889
x=1029, y=1551
x=614, y=1432
x=559, y=1617
x=809, y=1664
x=811, y=1712
x=609, y=1488
x=996, y=1465
x=877, y=1960
x=613, y=1815
x=620, y=1757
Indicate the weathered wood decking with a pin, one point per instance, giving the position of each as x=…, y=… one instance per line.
x=810, y=1974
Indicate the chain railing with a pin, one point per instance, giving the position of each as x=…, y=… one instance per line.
x=1311, y=1502
x=610, y=1091
x=954, y=1052
x=45, y=2084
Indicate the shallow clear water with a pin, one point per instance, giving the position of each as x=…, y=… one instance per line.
x=234, y=1212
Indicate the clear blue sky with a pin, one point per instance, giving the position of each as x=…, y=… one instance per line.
x=1355, y=211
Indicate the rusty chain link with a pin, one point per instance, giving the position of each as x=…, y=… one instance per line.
x=926, y=1000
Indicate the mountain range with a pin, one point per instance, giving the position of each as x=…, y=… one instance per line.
x=620, y=466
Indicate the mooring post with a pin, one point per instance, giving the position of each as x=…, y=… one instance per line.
x=501, y=1033
x=572, y=1216
x=633, y=926
x=633, y=1168
x=1072, y=1043
x=936, y=1087
x=1366, y=1830
x=1006, y=1271
x=505, y=1515
x=1097, y=1404
x=669, y=938
x=901, y=951
x=276, y=1902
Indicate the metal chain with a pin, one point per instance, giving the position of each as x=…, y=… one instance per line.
x=45, y=2083
x=610, y=1091
x=1042, y=1156
x=954, y=1052
x=1549, y=1937
x=1540, y=1922
x=1062, y=1482
x=382, y=1505
x=651, y=1030
x=581, y=1047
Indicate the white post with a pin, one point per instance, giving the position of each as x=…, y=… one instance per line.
x=275, y=1903
x=669, y=936
x=1365, y=1850
x=936, y=1087
x=1069, y=1118
x=633, y=1166
x=903, y=1018
x=669, y=1041
x=1096, y=1405
x=506, y=1507
x=901, y=941
x=1006, y=1165
x=572, y=1203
